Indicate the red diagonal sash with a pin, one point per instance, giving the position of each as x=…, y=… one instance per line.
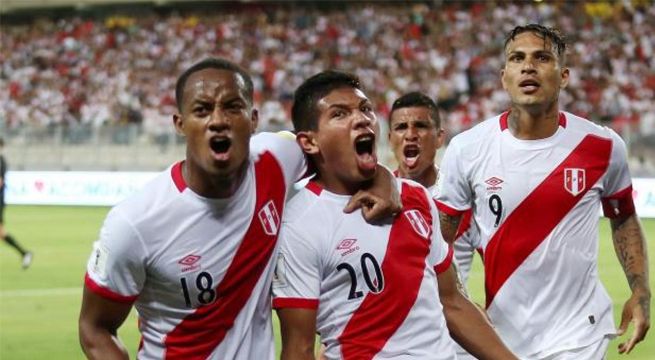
x=380, y=315
x=540, y=212
x=202, y=331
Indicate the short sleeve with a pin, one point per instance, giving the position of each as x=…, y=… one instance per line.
x=453, y=193
x=617, y=184
x=284, y=148
x=296, y=280
x=116, y=269
x=441, y=255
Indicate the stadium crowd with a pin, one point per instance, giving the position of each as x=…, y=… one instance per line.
x=80, y=73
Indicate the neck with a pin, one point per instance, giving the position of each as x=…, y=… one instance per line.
x=339, y=186
x=212, y=186
x=532, y=124
x=427, y=177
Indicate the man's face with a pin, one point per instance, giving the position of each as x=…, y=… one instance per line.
x=217, y=121
x=344, y=144
x=533, y=75
x=414, y=140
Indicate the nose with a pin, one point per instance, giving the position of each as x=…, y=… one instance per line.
x=411, y=133
x=528, y=66
x=364, y=120
x=218, y=121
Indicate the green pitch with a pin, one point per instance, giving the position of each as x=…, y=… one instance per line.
x=39, y=307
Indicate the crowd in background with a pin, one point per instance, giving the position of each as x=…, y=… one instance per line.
x=80, y=73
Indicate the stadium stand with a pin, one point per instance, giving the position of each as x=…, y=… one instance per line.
x=79, y=83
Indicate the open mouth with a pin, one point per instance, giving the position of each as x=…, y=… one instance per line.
x=365, y=149
x=220, y=145
x=529, y=85
x=411, y=153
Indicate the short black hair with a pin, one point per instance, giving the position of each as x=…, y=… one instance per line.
x=417, y=99
x=212, y=63
x=552, y=34
x=304, y=114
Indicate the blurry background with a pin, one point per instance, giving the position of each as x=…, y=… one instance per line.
x=88, y=86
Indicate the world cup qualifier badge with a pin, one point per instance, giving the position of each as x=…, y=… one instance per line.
x=279, y=274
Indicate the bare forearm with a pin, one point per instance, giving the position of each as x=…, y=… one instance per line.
x=449, y=225
x=100, y=344
x=470, y=328
x=630, y=247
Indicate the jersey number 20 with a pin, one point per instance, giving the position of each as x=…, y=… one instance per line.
x=374, y=285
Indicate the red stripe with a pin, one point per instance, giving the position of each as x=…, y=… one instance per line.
x=549, y=203
x=380, y=315
x=296, y=303
x=314, y=187
x=561, y=120
x=178, y=179
x=445, y=264
x=198, y=335
x=106, y=292
x=448, y=210
x=620, y=204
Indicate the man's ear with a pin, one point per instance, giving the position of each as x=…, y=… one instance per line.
x=441, y=137
x=178, y=121
x=307, y=142
x=565, y=78
x=502, y=78
x=254, y=120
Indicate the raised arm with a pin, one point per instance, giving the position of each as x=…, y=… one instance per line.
x=630, y=247
x=298, y=327
x=99, y=321
x=466, y=323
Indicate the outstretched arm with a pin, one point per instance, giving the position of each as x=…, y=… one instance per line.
x=630, y=247
x=298, y=327
x=98, y=325
x=467, y=325
x=379, y=200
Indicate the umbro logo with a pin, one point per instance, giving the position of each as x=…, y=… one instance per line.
x=190, y=262
x=347, y=246
x=494, y=183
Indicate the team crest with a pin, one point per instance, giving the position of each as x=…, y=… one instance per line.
x=574, y=180
x=418, y=223
x=269, y=218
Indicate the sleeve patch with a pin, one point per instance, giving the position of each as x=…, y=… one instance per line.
x=100, y=255
x=279, y=275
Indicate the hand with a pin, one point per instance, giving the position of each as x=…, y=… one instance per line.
x=637, y=311
x=380, y=200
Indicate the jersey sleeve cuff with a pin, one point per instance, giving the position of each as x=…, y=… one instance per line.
x=620, y=204
x=106, y=292
x=445, y=264
x=448, y=210
x=295, y=303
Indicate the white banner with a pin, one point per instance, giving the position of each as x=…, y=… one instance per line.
x=72, y=187
x=108, y=188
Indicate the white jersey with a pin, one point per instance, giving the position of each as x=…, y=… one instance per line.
x=536, y=205
x=374, y=287
x=199, y=270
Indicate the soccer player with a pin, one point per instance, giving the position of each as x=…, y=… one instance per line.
x=194, y=251
x=26, y=256
x=415, y=135
x=370, y=291
x=535, y=177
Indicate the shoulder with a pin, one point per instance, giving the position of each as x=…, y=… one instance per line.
x=587, y=127
x=478, y=133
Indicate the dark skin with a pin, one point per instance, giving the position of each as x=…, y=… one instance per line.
x=215, y=107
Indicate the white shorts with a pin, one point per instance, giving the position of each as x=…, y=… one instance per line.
x=593, y=351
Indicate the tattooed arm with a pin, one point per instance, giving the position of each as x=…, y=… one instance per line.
x=449, y=225
x=630, y=247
